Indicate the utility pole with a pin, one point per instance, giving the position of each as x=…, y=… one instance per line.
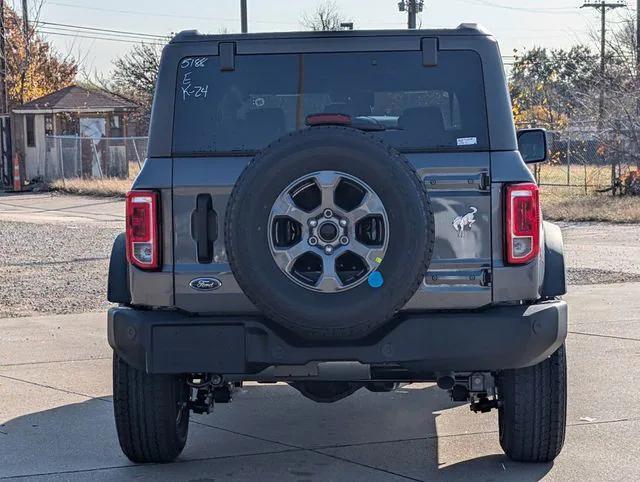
x=5, y=156
x=603, y=6
x=243, y=16
x=638, y=42
x=25, y=20
x=412, y=7
x=27, y=49
x=3, y=65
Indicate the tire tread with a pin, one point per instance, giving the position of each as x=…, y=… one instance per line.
x=533, y=415
x=144, y=414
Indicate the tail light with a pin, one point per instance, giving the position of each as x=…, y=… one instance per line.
x=142, y=229
x=522, y=223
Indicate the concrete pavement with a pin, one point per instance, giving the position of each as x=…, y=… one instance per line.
x=56, y=420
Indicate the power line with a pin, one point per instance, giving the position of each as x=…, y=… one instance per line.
x=169, y=15
x=112, y=39
x=105, y=35
x=82, y=27
x=544, y=10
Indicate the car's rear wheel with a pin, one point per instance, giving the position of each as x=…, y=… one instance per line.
x=151, y=413
x=532, y=415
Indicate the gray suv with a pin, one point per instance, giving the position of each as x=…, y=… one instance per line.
x=337, y=211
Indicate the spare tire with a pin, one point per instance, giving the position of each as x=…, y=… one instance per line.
x=329, y=232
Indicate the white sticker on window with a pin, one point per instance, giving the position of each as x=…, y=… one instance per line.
x=467, y=141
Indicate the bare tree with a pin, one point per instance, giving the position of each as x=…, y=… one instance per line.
x=326, y=16
x=136, y=72
x=619, y=137
x=134, y=77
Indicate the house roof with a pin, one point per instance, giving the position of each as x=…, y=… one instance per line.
x=75, y=98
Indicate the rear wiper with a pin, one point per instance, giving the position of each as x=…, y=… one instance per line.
x=367, y=126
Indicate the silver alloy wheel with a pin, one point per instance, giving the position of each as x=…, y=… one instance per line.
x=328, y=231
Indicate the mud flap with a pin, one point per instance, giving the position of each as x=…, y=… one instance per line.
x=554, y=283
x=118, y=284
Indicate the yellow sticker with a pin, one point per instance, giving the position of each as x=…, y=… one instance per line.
x=378, y=260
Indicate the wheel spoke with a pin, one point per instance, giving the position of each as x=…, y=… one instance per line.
x=329, y=280
x=285, y=258
x=369, y=254
x=285, y=206
x=327, y=182
x=371, y=204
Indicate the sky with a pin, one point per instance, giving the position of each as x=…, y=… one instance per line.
x=517, y=24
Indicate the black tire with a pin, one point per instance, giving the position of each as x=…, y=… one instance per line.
x=151, y=427
x=532, y=418
x=347, y=314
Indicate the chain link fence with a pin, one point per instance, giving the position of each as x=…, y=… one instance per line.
x=579, y=160
x=86, y=157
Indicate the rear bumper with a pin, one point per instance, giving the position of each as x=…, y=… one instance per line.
x=493, y=339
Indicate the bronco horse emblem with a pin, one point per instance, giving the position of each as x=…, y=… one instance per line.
x=464, y=222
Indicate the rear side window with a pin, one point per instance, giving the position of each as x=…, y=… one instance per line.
x=267, y=96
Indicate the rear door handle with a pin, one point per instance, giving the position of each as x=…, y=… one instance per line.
x=204, y=227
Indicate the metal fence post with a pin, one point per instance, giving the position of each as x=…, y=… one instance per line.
x=135, y=149
x=568, y=161
x=95, y=152
x=61, y=161
x=613, y=178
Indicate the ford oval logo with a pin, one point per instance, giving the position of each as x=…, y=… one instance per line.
x=205, y=284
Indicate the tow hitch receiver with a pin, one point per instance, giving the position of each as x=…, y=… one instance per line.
x=206, y=390
x=479, y=388
x=484, y=405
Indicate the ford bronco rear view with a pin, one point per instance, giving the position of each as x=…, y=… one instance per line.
x=337, y=211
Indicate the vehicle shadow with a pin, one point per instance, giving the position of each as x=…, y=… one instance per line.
x=395, y=433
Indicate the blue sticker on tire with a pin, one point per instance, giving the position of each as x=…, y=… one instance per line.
x=376, y=280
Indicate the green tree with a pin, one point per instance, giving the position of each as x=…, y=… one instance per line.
x=548, y=85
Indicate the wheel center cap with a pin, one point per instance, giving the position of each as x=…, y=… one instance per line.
x=328, y=231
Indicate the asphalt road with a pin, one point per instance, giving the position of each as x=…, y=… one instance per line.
x=56, y=420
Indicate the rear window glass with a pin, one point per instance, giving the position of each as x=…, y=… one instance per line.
x=267, y=96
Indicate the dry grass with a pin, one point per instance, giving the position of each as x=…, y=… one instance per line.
x=575, y=175
x=571, y=204
x=107, y=187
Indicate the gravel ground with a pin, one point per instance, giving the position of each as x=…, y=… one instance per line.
x=594, y=276
x=54, y=268
x=54, y=264
x=601, y=252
